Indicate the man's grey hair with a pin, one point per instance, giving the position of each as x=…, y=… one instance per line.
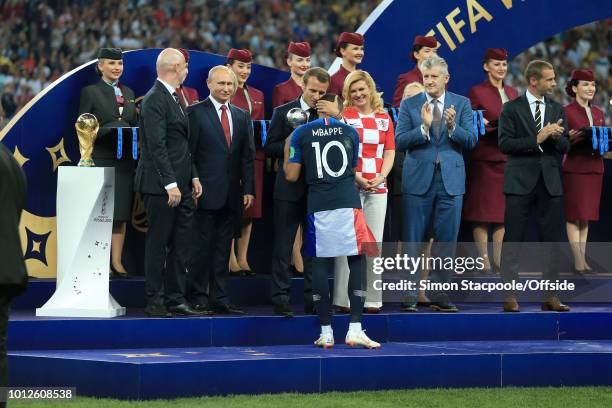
x=216, y=68
x=429, y=63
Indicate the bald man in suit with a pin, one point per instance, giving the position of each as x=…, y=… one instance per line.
x=169, y=184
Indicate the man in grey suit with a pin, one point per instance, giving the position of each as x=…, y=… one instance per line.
x=169, y=184
x=434, y=128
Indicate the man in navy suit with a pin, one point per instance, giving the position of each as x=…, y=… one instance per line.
x=433, y=129
x=223, y=155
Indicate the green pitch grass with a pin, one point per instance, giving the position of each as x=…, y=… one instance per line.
x=588, y=397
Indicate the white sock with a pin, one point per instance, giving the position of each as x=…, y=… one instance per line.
x=327, y=330
x=355, y=327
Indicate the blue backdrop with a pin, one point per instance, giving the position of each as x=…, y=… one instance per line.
x=514, y=25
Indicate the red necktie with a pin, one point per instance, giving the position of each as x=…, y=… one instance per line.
x=226, y=126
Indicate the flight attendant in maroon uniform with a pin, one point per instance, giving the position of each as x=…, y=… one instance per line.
x=187, y=96
x=251, y=100
x=422, y=48
x=298, y=60
x=484, y=202
x=349, y=47
x=582, y=169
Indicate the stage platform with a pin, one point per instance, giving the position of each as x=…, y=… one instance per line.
x=255, y=291
x=181, y=372
x=134, y=356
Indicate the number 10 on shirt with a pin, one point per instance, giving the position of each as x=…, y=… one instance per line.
x=321, y=158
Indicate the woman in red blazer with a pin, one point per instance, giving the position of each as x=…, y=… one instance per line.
x=582, y=168
x=484, y=203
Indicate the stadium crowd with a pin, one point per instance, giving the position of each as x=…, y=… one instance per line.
x=583, y=46
x=66, y=34
x=42, y=40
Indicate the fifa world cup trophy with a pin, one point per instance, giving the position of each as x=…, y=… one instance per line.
x=87, y=130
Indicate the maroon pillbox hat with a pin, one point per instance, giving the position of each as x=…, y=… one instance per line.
x=499, y=54
x=578, y=75
x=351, y=38
x=185, y=54
x=299, y=48
x=424, y=41
x=582, y=75
x=243, y=55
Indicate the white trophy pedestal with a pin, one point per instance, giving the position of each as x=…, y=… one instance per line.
x=85, y=202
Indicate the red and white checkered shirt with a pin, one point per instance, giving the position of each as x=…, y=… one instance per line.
x=376, y=135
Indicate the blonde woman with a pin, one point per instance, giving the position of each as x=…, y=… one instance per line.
x=364, y=111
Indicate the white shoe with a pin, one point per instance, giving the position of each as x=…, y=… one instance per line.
x=325, y=340
x=359, y=338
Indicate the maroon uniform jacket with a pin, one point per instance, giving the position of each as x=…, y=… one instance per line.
x=337, y=81
x=580, y=158
x=257, y=110
x=486, y=97
x=285, y=92
x=187, y=96
x=403, y=80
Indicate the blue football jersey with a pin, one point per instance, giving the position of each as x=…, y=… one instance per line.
x=328, y=151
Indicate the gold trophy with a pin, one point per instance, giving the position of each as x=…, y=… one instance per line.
x=87, y=130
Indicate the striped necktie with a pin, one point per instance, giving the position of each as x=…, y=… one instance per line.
x=538, y=116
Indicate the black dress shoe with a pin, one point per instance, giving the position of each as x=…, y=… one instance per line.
x=311, y=310
x=341, y=309
x=247, y=272
x=226, y=308
x=409, y=307
x=283, y=310
x=295, y=272
x=203, y=309
x=235, y=273
x=447, y=307
x=118, y=275
x=184, y=310
x=157, y=311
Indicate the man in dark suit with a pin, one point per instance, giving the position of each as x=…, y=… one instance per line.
x=224, y=153
x=434, y=128
x=290, y=198
x=168, y=182
x=13, y=276
x=532, y=132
